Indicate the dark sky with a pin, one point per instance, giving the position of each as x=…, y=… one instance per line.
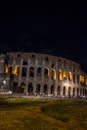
x=59, y=31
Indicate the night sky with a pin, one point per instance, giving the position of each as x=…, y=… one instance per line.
x=60, y=31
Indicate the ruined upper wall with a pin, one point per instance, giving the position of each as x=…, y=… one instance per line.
x=54, y=59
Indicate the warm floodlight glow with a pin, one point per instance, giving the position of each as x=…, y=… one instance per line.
x=81, y=78
x=47, y=72
x=53, y=74
x=70, y=75
x=59, y=74
x=16, y=70
x=64, y=74
x=6, y=69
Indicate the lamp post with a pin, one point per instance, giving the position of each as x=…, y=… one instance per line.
x=4, y=83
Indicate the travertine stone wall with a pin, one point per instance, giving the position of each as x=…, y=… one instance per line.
x=43, y=61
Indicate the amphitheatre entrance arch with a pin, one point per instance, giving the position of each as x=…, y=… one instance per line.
x=52, y=89
x=30, y=88
x=45, y=89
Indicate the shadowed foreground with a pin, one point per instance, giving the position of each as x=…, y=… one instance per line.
x=19, y=113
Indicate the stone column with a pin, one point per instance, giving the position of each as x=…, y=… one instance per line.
x=34, y=88
x=50, y=63
x=41, y=88
x=20, y=72
x=49, y=88
x=42, y=72
x=35, y=71
x=66, y=91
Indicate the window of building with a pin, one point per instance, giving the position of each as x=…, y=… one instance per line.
x=33, y=55
x=45, y=89
x=10, y=69
x=59, y=74
x=52, y=65
x=73, y=68
x=46, y=72
x=25, y=63
x=6, y=69
x=6, y=59
x=39, y=71
x=31, y=71
x=18, y=55
x=53, y=76
x=81, y=78
x=64, y=74
x=16, y=70
x=65, y=64
x=38, y=88
x=59, y=62
x=46, y=58
x=24, y=71
x=70, y=76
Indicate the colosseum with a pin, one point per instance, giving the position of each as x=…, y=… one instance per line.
x=41, y=74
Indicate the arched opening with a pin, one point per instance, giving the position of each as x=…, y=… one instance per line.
x=45, y=89
x=58, y=90
x=65, y=75
x=25, y=62
x=47, y=72
x=52, y=89
x=70, y=76
x=53, y=76
x=59, y=62
x=22, y=86
x=64, y=90
x=15, y=87
x=24, y=71
x=31, y=72
x=6, y=69
x=30, y=88
x=39, y=71
x=69, y=92
x=10, y=69
x=73, y=68
x=38, y=88
x=59, y=74
x=82, y=79
x=16, y=70
x=74, y=91
x=65, y=64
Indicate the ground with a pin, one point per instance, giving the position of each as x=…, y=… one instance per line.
x=27, y=113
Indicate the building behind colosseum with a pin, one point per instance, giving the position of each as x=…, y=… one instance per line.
x=42, y=74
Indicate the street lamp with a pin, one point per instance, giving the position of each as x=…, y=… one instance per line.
x=4, y=83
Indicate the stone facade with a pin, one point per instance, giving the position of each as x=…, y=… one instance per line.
x=42, y=74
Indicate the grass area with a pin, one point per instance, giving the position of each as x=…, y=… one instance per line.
x=19, y=113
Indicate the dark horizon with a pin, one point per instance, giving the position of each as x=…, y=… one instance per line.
x=60, y=32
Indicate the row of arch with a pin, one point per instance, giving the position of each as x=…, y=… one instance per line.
x=60, y=90
x=47, y=73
